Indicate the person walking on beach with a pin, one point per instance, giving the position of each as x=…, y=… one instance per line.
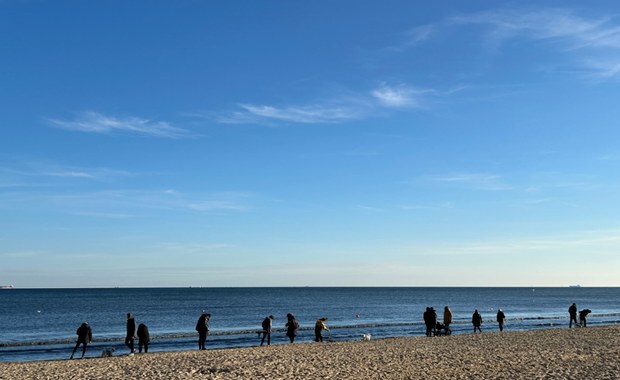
x=267, y=323
x=318, y=329
x=476, y=320
x=501, y=317
x=291, y=327
x=85, y=336
x=202, y=326
x=447, y=317
x=143, y=338
x=131, y=333
x=572, y=313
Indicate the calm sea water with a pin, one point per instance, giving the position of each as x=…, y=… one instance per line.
x=40, y=324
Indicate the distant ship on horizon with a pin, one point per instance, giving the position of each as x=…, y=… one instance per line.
x=6, y=286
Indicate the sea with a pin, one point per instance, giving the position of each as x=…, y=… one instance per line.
x=40, y=324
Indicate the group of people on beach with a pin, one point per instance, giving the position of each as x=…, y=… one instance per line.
x=291, y=327
x=436, y=328
x=85, y=333
x=141, y=331
x=433, y=328
x=572, y=314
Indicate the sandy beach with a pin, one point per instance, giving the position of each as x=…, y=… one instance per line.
x=585, y=353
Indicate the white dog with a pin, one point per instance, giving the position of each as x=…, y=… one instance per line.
x=366, y=337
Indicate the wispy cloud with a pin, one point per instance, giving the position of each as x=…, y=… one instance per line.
x=369, y=209
x=130, y=203
x=595, y=42
x=413, y=37
x=603, y=241
x=312, y=114
x=480, y=181
x=94, y=122
x=337, y=110
x=37, y=173
x=399, y=96
x=195, y=248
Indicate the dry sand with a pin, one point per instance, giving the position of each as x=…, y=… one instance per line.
x=585, y=353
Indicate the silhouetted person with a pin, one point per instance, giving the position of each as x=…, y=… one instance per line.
x=85, y=336
x=131, y=333
x=447, y=317
x=430, y=321
x=267, y=323
x=501, y=317
x=476, y=320
x=143, y=338
x=291, y=327
x=583, y=314
x=202, y=326
x=427, y=321
x=319, y=326
x=572, y=313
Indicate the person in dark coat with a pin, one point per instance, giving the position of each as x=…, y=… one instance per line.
x=143, y=338
x=433, y=321
x=583, y=314
x=131, y=333
x=202, y=326
x=476, y=320
x=572, y=313
x=292, y=326
x=501, y=317
x=85, y=336
x=266, y=325
x=430, y=321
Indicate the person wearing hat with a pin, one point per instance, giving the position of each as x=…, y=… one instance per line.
x=202, y=326
x=267, y=323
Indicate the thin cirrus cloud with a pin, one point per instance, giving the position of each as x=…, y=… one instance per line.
x=399, y=96
x=480, y=181
x=94, y=122
x=36, y=173
x=128, y=203
x=339, y=111
x=305, y=114
x=595, y=42
x=413, y=37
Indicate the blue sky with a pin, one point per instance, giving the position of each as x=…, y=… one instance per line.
x=309, y=143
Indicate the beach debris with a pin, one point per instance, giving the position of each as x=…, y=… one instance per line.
x=209, y=370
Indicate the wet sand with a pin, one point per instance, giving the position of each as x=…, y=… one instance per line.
x=584, y=353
